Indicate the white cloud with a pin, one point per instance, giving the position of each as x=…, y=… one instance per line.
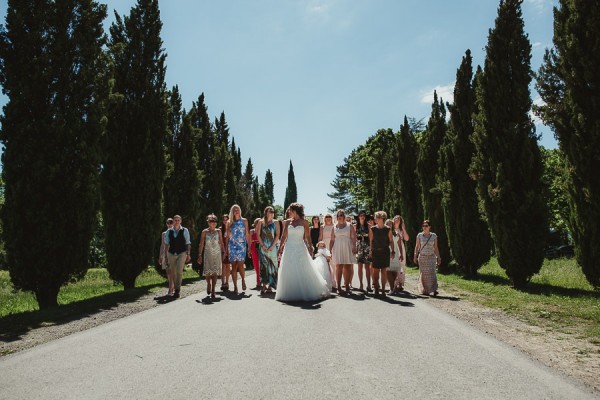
x=538, y=102
x=540, y=5
x=445, y=92
x=536, y=44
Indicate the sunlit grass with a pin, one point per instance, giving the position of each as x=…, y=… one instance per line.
x=557, y=298
x=95, y=283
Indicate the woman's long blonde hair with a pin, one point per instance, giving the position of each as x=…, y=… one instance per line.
x=231, y=219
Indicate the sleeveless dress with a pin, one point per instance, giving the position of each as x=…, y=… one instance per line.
x=268, y=259
x=327, y=232
x=212, y=254
x=427, y=264
x=342, y=247
x=237, y=242
x=396, y=265
x=362, y=238
x=298, y=279
x=314, y=237
x=380, y=247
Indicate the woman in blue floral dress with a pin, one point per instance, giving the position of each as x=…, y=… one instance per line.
x=238, y=244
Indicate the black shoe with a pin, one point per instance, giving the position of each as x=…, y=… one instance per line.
x=176, y=295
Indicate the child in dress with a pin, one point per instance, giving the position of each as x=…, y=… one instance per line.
x=321, y=263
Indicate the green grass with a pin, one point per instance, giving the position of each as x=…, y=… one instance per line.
x=95, y=283
x=558, y=298
x=19, y=311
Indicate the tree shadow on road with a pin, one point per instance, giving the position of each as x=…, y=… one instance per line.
x=13, y=327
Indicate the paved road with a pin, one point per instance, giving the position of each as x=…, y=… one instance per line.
x=255, y=347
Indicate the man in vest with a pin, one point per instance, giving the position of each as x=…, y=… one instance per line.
x=178, y=244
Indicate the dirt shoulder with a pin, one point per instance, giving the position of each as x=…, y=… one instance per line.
x=574, y=357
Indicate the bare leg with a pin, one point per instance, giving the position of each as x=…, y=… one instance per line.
x=348, y=272
x=242, y=271
x=214, y=283
x=368, y=274
x=234, y=276
x=383, y=280
x=338, y=273
x=360, y=275
x=375, y=273
x=391, y=278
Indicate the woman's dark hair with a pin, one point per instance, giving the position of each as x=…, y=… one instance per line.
x=364, y=225
x=312, y=220
x=298, y=208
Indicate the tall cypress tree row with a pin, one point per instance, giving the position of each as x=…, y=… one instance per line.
x=269, y=188
x=568, y=82
x=428, y=168
x=507, y=162
x=53, y=72
x=409, y=188
x=291, y=193
x=205, y=145
x=172, y=140
x=468, y=234
x=217, y=176
x=134, y=163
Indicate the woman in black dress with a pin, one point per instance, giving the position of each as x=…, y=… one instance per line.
x=315, y=232
x=362, y=255
x=382, y=249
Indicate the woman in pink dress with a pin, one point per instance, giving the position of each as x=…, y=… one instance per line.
x=254, y=253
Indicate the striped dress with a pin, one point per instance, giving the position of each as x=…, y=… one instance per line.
x=427, y=264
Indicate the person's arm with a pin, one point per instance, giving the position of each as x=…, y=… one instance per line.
x=258, y=230
x=404, y=233
x=353, y=239
x=227, y=234
x=162, y=254
x=332, y=240
x=437, y=252
x=417, y=248
x=276, y=238
x=201, y=246
x=248, y=239
x=283, y=236
x=391, y=242
x=371, y=242
x=188, y=245
x=401, y=255
x=221, y=244
x=307, y=241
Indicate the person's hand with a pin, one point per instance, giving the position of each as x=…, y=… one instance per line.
x=415, y=260
x=188, y=259
x=401, y=258
x=200, y=260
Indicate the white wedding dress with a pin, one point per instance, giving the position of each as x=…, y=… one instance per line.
x=298, y=280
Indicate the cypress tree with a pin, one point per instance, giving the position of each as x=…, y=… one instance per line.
x=569, y=82
x=219, y=167
x=269, y=188
x=231, y=183
x=172, y=140
x=204, y=149
x=507, y=162
x=291, y=193
x=53, y=73
x=409, y=191
x=468, y=234
x=134, y=164
x=428, y=168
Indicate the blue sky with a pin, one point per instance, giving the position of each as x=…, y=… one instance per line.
x=308, y=81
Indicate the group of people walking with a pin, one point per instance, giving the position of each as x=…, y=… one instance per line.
x=302, y=262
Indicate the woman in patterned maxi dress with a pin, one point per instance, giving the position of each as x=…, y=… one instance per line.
x=267, y=231
x=211, y=242
x=427, y=256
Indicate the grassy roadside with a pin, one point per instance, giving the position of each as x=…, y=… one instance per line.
x=558, y=298
x=94, y=292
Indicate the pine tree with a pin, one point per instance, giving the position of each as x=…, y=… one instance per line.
x=341, y=196
x=568, y=83
x=408, y=183
x=134, y=163
x=172, y=140
x=428, y=168
x=468, y=234
x=291, y=193
x=269, y=188
x=507, y=162
x=53, y=72
x=231, y=183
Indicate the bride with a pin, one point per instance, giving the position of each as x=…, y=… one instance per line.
x=298, y=280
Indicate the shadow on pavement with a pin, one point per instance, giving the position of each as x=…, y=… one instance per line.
x=233, y=296
x=451, y=298
x=208, y=300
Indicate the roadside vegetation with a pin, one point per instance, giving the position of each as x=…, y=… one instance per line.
x=558, y=298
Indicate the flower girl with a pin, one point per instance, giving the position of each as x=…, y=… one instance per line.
x=321, y=263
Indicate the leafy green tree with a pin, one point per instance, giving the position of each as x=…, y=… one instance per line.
x=428, y=169
x=568, y=82
x=291, y=192
x=556, y=178
x=53, y=72
x=468, y=234
x=507, y=163
x=134, y=164
x=409, y=190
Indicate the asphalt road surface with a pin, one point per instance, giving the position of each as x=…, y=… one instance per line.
x=255, y=347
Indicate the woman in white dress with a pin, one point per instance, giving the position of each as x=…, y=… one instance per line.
x=298, y=280
x=343, y=250
x=326, y=233
x=396, y=273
